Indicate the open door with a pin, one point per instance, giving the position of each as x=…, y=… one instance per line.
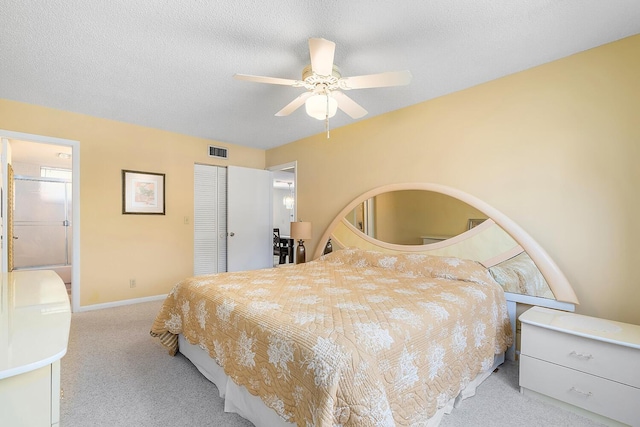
x=7, y=189
x=249, y=219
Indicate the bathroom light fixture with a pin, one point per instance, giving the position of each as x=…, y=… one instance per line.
x=65, y=156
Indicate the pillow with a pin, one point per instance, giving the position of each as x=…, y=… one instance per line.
x=414, y=264
x=520, y=275
x=443, y=267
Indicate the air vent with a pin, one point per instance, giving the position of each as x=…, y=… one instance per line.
x=220, y=152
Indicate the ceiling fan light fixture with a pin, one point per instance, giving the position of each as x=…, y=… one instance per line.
x=325, y=85
x=321, y=106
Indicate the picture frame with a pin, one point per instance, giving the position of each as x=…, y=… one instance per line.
x=143, y=193
x=475, y=222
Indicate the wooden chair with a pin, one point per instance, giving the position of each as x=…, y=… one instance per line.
x=279, y=248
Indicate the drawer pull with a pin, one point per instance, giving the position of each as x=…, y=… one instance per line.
x=580, y=392
x=581, y=355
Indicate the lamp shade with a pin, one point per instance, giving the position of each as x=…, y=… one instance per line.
x=300, y=230
x=321, y=106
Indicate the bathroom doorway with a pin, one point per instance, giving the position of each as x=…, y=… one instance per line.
x=43, y=208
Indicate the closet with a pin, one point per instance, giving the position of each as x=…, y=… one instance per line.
x=209, y=219
x=232, y=219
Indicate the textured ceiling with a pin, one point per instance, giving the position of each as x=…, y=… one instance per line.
x=169, y=65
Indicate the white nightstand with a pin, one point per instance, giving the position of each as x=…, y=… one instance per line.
x=586, y=362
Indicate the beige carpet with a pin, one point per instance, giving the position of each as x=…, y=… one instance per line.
x=115, y=374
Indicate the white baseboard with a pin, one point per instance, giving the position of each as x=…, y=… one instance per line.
x=120, y=303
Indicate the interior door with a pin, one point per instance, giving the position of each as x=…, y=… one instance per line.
x=209, y=219
x=7, y=235
x=249, y=219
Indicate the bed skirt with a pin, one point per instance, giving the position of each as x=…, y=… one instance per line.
x=238, y=400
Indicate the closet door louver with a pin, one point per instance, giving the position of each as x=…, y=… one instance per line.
x=210, y=220
x=222, y=219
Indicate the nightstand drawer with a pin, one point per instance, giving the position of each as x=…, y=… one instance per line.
x=611, y=361
x=609, y=398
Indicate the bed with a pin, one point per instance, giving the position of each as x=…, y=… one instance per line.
x=369, y=334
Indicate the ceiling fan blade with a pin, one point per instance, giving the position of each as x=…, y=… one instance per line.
x=294, y=105
x=348, y=105
x=390, y=78
x=270, y=80
x=321, y=52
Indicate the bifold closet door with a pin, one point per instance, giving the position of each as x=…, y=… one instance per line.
x=210, y=220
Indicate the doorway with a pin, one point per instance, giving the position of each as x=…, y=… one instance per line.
x=46, y=214
x=284, y=211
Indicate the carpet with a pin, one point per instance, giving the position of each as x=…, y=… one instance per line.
x=115, y=374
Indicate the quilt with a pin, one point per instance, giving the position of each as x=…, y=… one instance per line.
x=355, y=338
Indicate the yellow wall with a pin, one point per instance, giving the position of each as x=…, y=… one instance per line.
x=155, y=250
x=556, y=148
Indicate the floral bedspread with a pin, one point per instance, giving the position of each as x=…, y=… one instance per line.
x=355, y=338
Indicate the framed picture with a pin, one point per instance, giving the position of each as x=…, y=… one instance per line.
x=142, y=193
x=474, y=222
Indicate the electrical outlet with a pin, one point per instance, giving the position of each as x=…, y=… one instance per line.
x=132, y=283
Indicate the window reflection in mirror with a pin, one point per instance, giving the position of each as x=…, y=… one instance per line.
x=414, y=217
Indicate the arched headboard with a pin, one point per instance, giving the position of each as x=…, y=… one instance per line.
x=497, y=242
x=493, y=242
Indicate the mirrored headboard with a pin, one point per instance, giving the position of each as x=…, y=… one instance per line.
x=440, y=220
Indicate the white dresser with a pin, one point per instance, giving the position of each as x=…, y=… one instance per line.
x=586, y=362
x=35, y=317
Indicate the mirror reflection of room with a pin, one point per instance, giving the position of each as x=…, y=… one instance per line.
x=413, y=217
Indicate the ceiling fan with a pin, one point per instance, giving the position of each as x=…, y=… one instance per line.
x=325, y=84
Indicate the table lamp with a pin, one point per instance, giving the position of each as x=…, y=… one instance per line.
x=300, y=231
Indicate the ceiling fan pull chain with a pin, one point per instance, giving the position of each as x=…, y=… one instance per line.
x=326, y=117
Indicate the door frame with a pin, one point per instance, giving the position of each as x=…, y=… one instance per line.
x=75, y=191
x=284, y=166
